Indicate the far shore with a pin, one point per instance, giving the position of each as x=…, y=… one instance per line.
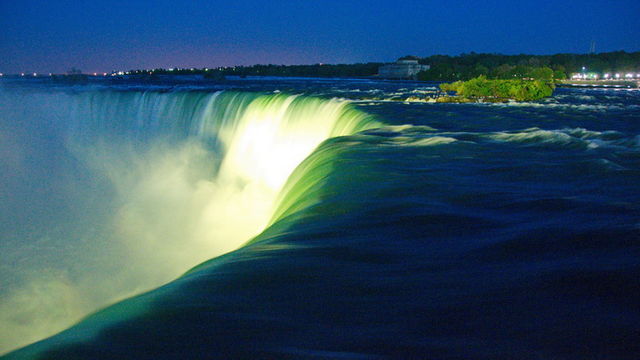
x=600, y=83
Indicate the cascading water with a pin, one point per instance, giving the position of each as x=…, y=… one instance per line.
x=142, y=185
x=475, y=231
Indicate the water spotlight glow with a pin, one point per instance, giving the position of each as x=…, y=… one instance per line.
x=185, y=176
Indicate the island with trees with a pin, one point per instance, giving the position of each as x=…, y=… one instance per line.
x=498, y=66
x=481, y=89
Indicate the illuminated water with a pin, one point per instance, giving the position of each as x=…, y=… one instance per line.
x=406, y=230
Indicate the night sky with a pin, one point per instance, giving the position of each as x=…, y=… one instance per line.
x=100, y=36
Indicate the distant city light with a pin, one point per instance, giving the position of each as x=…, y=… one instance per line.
x=617, y=76
x=629, y=76
x=34, y=74
x=21, y=74
x=606, y=76
x=1, y=74
x=104, y=74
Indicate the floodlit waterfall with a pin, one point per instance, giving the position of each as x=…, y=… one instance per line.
x=110, y=193
x=159, y=218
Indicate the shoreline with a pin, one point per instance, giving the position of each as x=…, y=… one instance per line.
x=599, y=83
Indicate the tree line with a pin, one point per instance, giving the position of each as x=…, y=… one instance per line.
x=314, y=70
x=443, y=67
x=498, y=66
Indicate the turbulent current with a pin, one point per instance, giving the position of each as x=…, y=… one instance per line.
x=299, y=218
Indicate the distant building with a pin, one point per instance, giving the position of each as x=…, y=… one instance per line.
x=402, y=69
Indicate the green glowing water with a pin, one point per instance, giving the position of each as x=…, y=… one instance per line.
x=179, y=178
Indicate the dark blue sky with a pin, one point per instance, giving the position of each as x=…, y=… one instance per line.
x=55, y=35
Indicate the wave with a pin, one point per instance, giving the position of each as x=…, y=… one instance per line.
x=552, y=104
x=571, y=138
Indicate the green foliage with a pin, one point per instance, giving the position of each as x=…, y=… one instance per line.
x=542, y=67
x=559, y=75
x=443, y=67
x=520, y=90
x=438, y=72
x=541, y=73
x=451, y=87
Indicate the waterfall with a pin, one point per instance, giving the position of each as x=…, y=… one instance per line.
x=134, y=188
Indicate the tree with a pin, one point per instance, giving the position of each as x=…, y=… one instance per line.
x=503, y=71
x=559, y=75
x=483, y=88
x=541, y=73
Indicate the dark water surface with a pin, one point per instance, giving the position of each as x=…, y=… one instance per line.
x=415, y=230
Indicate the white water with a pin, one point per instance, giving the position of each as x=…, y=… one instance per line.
x=107, y=194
